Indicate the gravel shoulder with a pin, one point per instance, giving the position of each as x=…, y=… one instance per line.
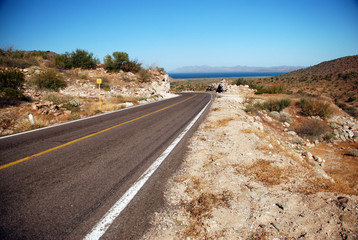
x=242, y=180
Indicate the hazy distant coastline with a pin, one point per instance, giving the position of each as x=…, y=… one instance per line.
x=209, y=69
x=193, y=75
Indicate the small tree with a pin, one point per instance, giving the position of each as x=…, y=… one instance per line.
x=83, y=59
x=63, y=61
x=115, y=62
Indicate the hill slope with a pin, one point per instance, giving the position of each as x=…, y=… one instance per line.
x=336, y=66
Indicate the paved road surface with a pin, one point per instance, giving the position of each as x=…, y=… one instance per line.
x=57, y=183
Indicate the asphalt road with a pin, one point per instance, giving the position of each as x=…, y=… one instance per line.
x=58, y=182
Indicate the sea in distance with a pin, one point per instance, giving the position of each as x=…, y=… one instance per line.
x=223, y=75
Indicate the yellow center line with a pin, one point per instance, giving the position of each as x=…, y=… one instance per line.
x=88, y=136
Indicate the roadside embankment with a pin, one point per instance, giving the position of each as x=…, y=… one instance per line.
x=241, y=179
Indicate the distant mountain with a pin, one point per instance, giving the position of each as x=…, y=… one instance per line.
x=336, y=66
x=208, y=69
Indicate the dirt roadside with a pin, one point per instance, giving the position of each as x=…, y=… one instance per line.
x=241, y=180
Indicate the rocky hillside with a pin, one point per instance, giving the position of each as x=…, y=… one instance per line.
x=80, y=98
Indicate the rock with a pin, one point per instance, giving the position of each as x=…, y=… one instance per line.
x=354, y=152
x=286, y=124
x=275, y=115
x=341, y=202
x=297, y=140
x=350, y=134
x=285, y=117
x=334, y=125
x=308, y=155
x=128, y=104
x=67, y=112
x=218, y=87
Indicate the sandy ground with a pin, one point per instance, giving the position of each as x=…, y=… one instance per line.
x=240, y=180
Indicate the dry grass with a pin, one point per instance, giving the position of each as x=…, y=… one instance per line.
x=265, y=172
x=220, y=123
x=201, y=205
x=24, y=124
x=105, y=107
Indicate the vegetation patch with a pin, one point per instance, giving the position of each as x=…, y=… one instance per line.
x=313, y=129
x=49, y=79
x=274, y=104
x=11, y=82
x=77, y=59
x=120, y=61
x=265, y=172
x=313, y=107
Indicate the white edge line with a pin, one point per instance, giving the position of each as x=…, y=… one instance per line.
x=73, y=121
x=101, y=227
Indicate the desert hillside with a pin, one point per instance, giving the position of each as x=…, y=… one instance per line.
x=335, y=80
x=54, y=88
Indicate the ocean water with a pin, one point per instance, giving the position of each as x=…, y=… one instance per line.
x=223, y=75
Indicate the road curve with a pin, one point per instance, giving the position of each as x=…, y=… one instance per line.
x=57, y=183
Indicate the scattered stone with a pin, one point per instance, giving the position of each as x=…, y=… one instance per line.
x=354, y=152
x=297, y=140
x=275, y=115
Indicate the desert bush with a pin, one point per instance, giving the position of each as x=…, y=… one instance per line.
x=49, y=79
x=120, y=61
x=83, y=59
x=310, y=107
x=313, y=129
x=132, y=66
x=240, y=81
x=77, y=59
x=144, y=76
x=73, y=105
x=11, y=79
x=63, y=61
x=274, y=105
x=14, y=94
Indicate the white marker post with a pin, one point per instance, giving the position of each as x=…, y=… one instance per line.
x=99, y=82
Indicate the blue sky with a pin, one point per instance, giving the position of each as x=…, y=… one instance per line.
x=178, y=33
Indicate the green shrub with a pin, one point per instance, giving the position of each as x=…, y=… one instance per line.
x=313, y=129
x=120, y=61
x=77, y=59
x=63, y=61
x=274, y=105
x=11, y=79
x=14, y=94
x=115, y=62
x=310, y=107
x=49, y=79
x=83, y=59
